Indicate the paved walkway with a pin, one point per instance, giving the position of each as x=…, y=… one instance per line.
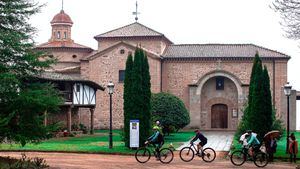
x=218, y=140
x=100, y=161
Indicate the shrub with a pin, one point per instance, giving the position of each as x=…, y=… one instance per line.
x=170, y=111
x=83, y=128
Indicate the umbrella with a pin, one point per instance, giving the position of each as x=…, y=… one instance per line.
x=273, y=133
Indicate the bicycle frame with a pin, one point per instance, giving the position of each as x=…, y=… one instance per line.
x=151, y=148
x=195, y=148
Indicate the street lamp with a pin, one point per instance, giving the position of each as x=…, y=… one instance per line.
x=110, y=87
x=287, y=92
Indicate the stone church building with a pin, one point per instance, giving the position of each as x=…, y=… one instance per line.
x=211, y=79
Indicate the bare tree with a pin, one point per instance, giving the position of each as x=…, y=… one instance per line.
x=290, y=17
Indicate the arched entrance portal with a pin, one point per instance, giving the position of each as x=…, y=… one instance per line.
x=219, y=116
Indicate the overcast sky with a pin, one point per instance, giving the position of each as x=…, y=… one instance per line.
x=182, y=21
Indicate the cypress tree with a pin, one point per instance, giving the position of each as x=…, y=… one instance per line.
x=258, y=114
x=244, y=125
x=268, y=110
x=146, y=94
x=256, y=70
x=256, y=120
x=128, y=103
x=137, y=95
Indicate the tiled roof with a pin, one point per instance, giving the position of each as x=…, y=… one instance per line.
x=219, y=50
x=61, y=18
x=62, y=44
x=95, y=54
x=133, y=30
x=51, y=76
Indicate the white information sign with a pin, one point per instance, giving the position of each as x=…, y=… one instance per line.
x=134, y=133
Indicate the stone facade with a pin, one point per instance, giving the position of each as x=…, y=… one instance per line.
x=187, y=71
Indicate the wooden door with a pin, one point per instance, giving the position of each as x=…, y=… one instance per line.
x=219, y=116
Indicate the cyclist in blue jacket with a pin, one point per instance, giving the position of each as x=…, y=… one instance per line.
x=156, y=139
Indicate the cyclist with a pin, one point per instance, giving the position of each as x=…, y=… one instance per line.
x=156, y=139
x=252, y=142
x=157, y=123
x=202, y=138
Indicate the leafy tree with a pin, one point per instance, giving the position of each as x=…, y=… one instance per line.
x=137, y=95
x=170, y=111
x=290, y=15
x=22, y=103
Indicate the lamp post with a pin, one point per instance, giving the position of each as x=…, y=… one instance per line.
x=287, y=92
x=110, y=87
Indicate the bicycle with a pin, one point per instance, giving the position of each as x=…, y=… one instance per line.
x=143, y=154
x=239, y=157
x=187, y=153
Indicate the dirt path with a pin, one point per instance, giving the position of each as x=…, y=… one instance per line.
x=99, y=161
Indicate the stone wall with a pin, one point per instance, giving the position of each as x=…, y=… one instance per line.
x=104, y=68
x=154, y=45
x=177, y=75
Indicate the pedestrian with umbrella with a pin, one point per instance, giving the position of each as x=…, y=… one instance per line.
x=271, y=143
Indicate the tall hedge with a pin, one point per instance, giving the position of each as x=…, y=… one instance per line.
x=137, y=95
x=169, y=110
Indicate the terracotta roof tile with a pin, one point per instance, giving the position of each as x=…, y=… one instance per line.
x=61, y=18
x=219, y=50
x=61, y=44
x=132, y=30
x=51, y=76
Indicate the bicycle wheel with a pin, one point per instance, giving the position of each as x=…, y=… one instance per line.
x=208, y=154
x=166, y=155
x=238, y=158
x=186, y=154
x=260, y=159
x=142, y=155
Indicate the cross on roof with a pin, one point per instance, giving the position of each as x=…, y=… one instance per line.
x=62, y=4
x=136, y=13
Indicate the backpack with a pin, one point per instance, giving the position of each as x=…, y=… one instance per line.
x=160, y=138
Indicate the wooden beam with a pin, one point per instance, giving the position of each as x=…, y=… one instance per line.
x=92, y=120
x=69, y=119
x=45, y=118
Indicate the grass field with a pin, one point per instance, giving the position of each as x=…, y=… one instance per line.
x=97, y=143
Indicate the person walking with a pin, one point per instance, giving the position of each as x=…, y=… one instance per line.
x=293, y=148
x=271, y=146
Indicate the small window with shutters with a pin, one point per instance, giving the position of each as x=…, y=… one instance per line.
x=219, y=83
x=121, y=76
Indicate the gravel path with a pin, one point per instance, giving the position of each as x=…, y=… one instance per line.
x=99, y=161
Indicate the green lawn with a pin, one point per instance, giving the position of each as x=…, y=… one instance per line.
x=97, y=143
x=281, y=146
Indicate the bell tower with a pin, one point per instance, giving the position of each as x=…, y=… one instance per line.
x=61, y=27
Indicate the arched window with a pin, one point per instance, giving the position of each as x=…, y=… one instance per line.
x=65, y=35
x=58, y=35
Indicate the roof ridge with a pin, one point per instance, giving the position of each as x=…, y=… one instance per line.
x=269, y=49
x=113, y=30
x=150, y=29
x=221, y=44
